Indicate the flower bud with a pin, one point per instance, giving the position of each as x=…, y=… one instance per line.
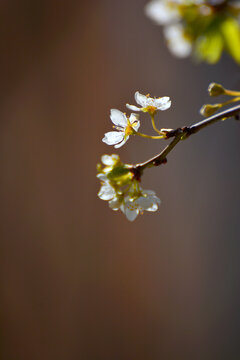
x=121, y=173
x=208, y=110
x=99, y=168
x=216, y=89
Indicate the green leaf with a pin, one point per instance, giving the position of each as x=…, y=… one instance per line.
x=230, y=30
x=117, y=172
x=209, y=46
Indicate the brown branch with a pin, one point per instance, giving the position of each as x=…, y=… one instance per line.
x=181, y=134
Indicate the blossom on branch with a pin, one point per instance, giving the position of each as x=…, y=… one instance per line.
x=144, y=200
x=125, y=127
x=122, y=190
x=150, y=105
x=120, y=183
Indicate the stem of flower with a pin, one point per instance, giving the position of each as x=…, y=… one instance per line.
x=234, y=111
x=232, y=93
x=181, y=134
x=160, y=158
x=231, y=101
x=154, y=125
x=149, y=136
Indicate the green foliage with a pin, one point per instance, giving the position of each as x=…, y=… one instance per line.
x=213, y=32
x=209, y=47
x=203, y=28
x=230, y=32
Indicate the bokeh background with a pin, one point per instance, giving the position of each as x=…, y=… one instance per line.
x=78, y=280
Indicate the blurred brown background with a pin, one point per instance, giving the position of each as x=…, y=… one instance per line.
x=78, y=280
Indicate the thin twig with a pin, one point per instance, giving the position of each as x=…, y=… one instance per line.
x=183, y=133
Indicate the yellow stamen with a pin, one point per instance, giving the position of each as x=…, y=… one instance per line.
x=129, y=130
x=150, y=109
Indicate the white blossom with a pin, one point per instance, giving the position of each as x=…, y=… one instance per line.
x=125, y=127
x=162, y=12
x=148, y=104
x=132, y=206
x=116, y=202
x=131, y=202
x=110, y=160
x=106, y=192
x=177, y=43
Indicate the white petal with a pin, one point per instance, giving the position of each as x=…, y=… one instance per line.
x=136, y=126
x=106, y=192
x=149, y=203
x=141, y=99
x=122, y=208
x=161, y=12
x=155, y=204
x=133, y=118
x=115, y=203
x=122, y=143
x=165, y=106
x=154, y=207
x=143, y=203
x=118, y=118
x=133, y=107
x=102, y=177
x=148, y=192
x=109, y=159
x=163, y=103
x=131, y=214
x=176, y=41
x=113, y=137
x=134, y=121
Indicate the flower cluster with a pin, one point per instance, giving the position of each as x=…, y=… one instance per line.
x=202, y=27
x=126, y=126
x=120, y=182
x=122, y=191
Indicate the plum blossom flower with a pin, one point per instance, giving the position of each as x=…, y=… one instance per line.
x=106, y=192
x=122, y=191
x=131, y=204
x=146, y=200
x=125, y=127
x=150, y=105
x=192, y=26
x=110, y=161
x=177, y=42
x=162, y=12
x=109, y=193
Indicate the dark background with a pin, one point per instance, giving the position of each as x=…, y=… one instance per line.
x=78, y=280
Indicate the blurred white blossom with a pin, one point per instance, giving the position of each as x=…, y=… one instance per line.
x=177, y=42
x=202, y=27
x=162, y=12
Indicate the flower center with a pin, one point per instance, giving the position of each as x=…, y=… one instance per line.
x=150, y=109
x=129, y=130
